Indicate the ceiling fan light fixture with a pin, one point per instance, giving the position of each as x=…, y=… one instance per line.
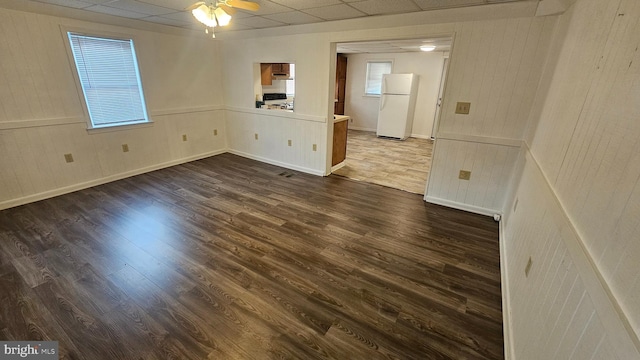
x=222, y=16
x=205, y=15
x=427, y=48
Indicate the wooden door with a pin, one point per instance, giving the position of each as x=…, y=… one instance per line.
x=341, y=82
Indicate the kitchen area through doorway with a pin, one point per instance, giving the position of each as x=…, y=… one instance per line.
x=389, y=92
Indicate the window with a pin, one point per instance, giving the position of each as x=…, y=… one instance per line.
x=290, y=85
x=108, y=74
x=375, y=70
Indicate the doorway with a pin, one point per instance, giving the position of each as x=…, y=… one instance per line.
x=401, y=164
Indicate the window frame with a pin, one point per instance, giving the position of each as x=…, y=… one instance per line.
x=367, y=78
x=91, y=128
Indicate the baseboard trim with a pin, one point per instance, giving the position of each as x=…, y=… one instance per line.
x=418, y=136
x=361, y=128
x=506, y=305
x=75, y=187
x=461, y=206
x=277, y=163
x=338, y=166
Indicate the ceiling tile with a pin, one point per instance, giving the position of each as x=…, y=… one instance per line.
x=171, y=4
x=184, y=16
x=166, y=21
x=378, y=7
x=335, y=12
x=446, y=4
x=139, y=7
x=293, y=17
x=306, y=4
x=258, y=22
x=116, y=12
x=267, y=8
x=272, y=12
x=70, y=3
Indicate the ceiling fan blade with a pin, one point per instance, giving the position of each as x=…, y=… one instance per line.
x=194, y=6
x=227, y=9
x=246, y=5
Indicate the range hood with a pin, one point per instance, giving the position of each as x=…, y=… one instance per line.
x=281, y=77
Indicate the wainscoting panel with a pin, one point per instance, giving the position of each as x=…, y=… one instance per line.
x=490, y=165
x=559, y=307
x=273, y=132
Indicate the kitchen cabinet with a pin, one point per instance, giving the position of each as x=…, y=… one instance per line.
x=269, y=70
x=340, y=128
x=266, y=77
x=281, y=69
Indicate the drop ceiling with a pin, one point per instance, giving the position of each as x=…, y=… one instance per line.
x=394, y=46
x=272, y=13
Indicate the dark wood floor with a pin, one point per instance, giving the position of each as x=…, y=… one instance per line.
x=229, y=258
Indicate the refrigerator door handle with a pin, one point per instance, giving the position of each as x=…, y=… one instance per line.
x=382, y=97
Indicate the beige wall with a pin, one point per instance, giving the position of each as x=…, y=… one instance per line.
x=364, y=109
x=41, y=116
x=496, y=63
x=576, y=209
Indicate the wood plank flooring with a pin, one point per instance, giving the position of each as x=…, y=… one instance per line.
x=403, y=165
x=229, y=258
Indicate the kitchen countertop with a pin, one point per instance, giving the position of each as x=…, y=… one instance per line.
x=338, y=118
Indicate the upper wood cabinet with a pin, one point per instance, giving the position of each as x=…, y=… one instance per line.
x=269, y=70
x=280, y=69
x=266, y=74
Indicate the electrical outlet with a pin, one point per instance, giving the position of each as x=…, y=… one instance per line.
x=184, y=137
x=125, y=148
x=215, y=132
x=528, y=267
x=463, y=108
x=255, y=136
x=68, y=158
x=464, y=175
x=315, y=147
x=289, y=142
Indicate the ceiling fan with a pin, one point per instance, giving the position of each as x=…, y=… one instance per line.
x=218, y=12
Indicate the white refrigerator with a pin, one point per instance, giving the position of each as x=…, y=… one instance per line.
x=397, y=103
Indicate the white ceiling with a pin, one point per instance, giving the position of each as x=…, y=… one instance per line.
x=394, y=46
x=272, y=13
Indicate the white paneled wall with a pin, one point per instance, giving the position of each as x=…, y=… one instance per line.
x=590, y=149
x=490, y=165
x=561, y=310
x=578, y=212
x=274, y=131
x=496, y=66
x=41, y=117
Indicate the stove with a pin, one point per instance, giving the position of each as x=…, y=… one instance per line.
x=277, y=101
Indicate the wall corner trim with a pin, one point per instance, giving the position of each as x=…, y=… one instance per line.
x=278, y=163
x=461, y=206
x=507, y=327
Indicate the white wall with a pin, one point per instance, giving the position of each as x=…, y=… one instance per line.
x=496, y=66
x=41, y=117
x=578, y=211
x=363, y=110
x=497, y=59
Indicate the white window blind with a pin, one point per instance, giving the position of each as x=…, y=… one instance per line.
x=108, y=73
x=375, y=70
